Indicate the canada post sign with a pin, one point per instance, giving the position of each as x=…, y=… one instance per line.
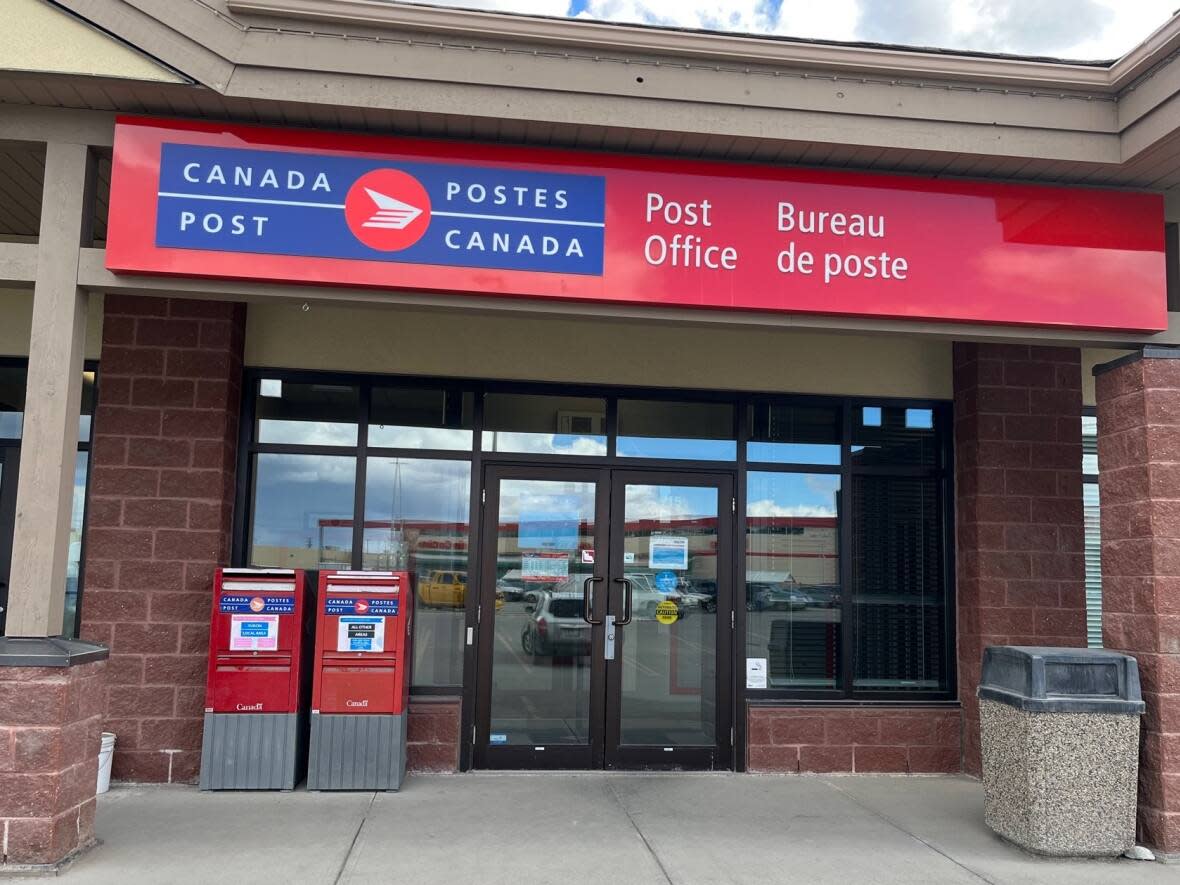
x=308, y=207
x=284, y=203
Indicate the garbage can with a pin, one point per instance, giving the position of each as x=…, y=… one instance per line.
x=1060, y=738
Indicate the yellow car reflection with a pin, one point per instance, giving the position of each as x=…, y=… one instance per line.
x=448, y=589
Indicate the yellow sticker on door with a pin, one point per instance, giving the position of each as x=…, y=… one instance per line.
x=667, y=612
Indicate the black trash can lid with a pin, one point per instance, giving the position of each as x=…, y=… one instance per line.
x=1061, y=680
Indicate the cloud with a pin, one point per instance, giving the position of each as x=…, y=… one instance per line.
x=744, y=16
x=1083, y=29
x=767, y=508
x=529, y=7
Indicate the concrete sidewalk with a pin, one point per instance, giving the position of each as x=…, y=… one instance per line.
x=578, y=829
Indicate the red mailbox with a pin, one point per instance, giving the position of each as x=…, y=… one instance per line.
x=257, y=689
x=361, y=681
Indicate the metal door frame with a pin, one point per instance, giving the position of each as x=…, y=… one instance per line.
x=606, y=597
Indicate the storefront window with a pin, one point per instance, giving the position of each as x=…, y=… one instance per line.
x=74, y=564
x=303, y=508
x=544, y=425
x=12, y=400
x=306, y=414
x=898, y=594
x=12, y=404
x=793, y=593
x=671, y=429
x=844, y=589
x=791, y=434
x=416, y=520
x=1092, y=519
x=421, y=418
x=894, y=435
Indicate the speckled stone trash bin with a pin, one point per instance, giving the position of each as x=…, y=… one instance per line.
x=1060, y=737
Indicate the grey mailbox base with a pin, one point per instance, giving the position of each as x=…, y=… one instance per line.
x=1060, y=784
x=253, y=751
x=357, y=752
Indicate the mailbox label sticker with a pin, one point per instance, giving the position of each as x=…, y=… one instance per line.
x=254, y=632
x=361, y=633
x=240, y=602
x=352, y=605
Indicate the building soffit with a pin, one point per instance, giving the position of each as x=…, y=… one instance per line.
x=471, y=65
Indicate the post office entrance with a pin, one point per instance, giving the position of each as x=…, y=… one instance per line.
x=606, y=614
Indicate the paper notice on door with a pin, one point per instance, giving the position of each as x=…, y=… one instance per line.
x=253, y=632
x=360, y=633
x=668, y=551
x=548, y=567
x=755, y=672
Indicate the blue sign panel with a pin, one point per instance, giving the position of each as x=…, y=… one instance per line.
x=351, y=605
x=285, y=203
x=548, y=531
x=273, y=605
x=254, y=628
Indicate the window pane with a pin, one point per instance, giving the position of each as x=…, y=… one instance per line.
x=416, y=519
x=894, y=435
x=550, y=425
x=87, y=412
x=420, y=418
x=77, y=514
x=12, y=400
x=897, y=585
x=1090, y=444
x=793, y=577
x=662, y=429
x=306, y=414
x=785, y=434
x=1092, y=521
x=303, y=507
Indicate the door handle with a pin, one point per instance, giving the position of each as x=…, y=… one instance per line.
x=627, y=589
x=587, y=606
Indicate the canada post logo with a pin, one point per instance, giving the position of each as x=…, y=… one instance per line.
x=284, y=203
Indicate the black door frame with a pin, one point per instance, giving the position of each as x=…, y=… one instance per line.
x=646, y=757
x=604, y=749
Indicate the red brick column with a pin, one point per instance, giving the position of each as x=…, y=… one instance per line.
x=50, y=722
x=1018, y=475
x=1139, y=489
x=159, y=519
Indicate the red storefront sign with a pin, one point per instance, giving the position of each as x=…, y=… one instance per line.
x=251, y=203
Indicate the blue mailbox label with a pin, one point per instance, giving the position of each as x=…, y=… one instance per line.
x=237, y=603
x=351, y=605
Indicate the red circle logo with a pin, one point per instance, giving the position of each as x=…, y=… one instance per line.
x=387, y=210
x=361, y=607
x=257, y=604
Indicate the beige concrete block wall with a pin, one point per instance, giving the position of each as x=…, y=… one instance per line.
x=16, y=320
x=36, y=36
x=395, y=340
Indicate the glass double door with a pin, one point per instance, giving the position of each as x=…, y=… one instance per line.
x=605, y=620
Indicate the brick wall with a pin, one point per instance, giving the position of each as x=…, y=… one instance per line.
x=1139, y=488
x=432, y=735
x=50, y=722
x=1018, y=474
x=853, y=739
x=159, y=519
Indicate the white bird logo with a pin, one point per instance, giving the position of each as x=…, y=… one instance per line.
x=391, y=214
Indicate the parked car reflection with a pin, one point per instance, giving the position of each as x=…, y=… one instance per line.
x=776, y=597
x=555, y=626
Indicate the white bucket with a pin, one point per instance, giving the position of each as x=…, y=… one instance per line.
x=104, y=762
